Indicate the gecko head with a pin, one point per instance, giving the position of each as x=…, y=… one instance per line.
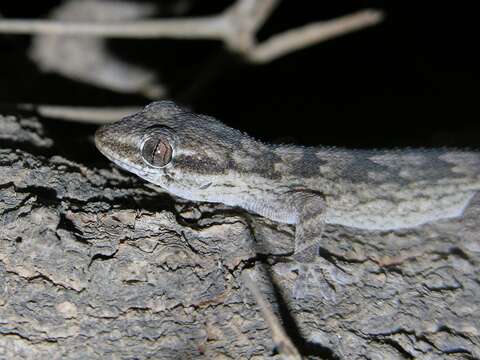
x=172, y=147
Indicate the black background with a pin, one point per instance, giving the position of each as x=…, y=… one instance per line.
x=410, y=81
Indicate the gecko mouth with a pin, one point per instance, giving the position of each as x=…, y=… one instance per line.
x=102, y=144
x=123, y=164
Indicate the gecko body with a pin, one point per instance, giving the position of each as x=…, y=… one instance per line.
x=199, y=158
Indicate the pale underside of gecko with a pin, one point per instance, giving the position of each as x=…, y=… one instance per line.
x=198, y=158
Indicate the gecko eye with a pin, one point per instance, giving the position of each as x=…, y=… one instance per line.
x=157, y=152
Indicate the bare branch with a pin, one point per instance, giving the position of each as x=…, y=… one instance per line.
x=285, y=346
x=245, y=17
x=199, y=28
x=90, y=115
x=236, y=27
x=302, y=37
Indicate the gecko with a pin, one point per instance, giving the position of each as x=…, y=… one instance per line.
x=198, y=158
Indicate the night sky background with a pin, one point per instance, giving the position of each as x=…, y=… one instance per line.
x=411, y=81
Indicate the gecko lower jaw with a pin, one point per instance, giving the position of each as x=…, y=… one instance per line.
x=130, y=168
x=125, y=165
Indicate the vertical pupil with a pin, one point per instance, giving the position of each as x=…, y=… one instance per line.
x=161, y=154
x=157, y=152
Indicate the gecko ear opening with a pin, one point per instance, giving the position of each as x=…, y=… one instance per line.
x=156, y=151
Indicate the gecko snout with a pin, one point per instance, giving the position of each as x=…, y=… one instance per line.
x=103, y=136
x=110, y=141
x=99, y=134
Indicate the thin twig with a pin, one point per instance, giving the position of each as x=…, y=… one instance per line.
x=302, y=37
x=236, y=27
x=90, y=115
x=285, y=346
x=200, y=28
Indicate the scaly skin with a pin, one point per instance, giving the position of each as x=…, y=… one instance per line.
x=305, y=186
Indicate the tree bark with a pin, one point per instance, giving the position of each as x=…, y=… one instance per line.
x=96, y=264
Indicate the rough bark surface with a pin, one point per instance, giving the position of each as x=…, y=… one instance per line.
x=95, y=264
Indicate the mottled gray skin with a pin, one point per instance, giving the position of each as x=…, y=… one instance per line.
x=374, y=189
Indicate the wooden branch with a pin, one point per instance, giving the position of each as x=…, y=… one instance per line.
x=236, y=27
x=201, y=28
x=296, y=39
x=85, y=114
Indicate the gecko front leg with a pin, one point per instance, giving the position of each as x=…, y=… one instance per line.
x=310, y=224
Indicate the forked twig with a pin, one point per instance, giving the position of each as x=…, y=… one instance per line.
x=236, y=27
